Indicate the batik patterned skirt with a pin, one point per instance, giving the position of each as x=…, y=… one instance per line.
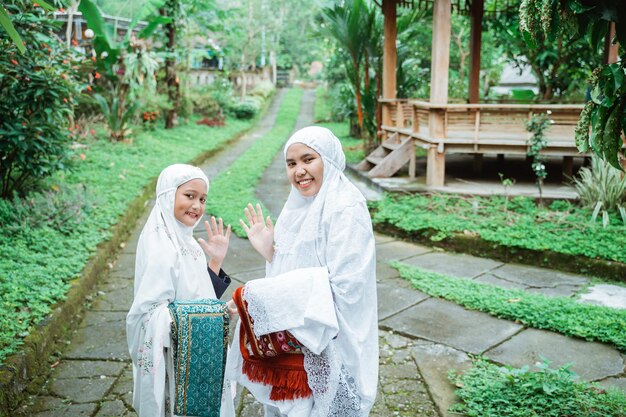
x=199, y=339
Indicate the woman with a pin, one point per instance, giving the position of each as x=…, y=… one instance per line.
x=324, y=225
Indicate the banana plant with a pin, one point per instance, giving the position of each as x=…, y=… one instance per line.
x=117, y=116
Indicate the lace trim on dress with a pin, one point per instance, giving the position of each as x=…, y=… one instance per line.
x=257, y=312
x=334, y=389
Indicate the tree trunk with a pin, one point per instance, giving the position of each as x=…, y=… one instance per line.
x=171, y=79
x=357, y=92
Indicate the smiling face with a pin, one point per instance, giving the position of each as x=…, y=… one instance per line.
x=189, y=202
x=305, y=169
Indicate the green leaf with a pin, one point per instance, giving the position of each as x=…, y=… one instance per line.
x=153, y=25
x=598, y=31
x=6, y=24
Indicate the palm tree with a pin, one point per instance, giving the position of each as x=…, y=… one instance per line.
x=350, y=24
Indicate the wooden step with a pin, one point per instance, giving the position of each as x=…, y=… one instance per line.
x=374, y=159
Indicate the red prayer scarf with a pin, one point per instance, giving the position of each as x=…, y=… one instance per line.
x=274, y=359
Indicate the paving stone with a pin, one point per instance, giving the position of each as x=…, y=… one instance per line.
x=112, y=409
x=102, y=335
x=84, y=369
x=619, y=383
x=456, y=265
x=384, y=270
x=82, y=390
x=398, y=249
x=124, y=266
x=499, y=282
x=380, y=238
x=68, y=410
x=241, y=257
x=605, y=295
x=590, y=360
x=115, y=294
x=558, y=291
x=435, y=361
x=538, y=277
x=449, y=324
x=395, y=295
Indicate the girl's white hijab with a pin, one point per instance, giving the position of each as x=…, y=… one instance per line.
x=165, y=236
x=300, y=218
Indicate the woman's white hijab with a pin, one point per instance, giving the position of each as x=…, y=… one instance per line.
x=169, y=265
x=333, y=229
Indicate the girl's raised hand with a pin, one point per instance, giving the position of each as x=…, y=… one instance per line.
x=216, y=245
x=260, y=231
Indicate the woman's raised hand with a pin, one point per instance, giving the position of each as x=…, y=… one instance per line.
x=216, y=244
x=260, y=231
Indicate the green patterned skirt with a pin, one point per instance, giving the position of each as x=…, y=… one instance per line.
x=200, y=339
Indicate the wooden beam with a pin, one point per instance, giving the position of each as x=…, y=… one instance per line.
x=476, y=18
x=440, y=58
x=439, y=70
x=389, y=55
x=610, y=50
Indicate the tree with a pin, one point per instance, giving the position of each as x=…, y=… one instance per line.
x=560, y=64
x=605, y=113
x=39, y=90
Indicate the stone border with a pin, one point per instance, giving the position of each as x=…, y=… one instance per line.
x=26, y=370
x=476, y=246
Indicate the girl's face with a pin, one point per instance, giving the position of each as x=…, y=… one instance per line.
x=189, y=201
x=305, y=169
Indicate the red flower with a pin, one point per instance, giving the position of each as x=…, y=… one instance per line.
x=88, y=88
x=23, y=123
x=64, y=76
x=64, y=100
x=14, y=62
x=96, y=75
x=74, y=42
x=93, y=58
x=36, y=5
x=61, y=10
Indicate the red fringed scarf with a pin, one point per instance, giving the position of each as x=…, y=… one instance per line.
x=274, y=359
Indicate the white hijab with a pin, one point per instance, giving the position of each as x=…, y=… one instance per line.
x=333, y=229
x=169, y=265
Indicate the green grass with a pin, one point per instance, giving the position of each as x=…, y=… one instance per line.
x=43, y=250
x=322, y=111
x=236, y=184
x=514, y=223
x=488, y=390
x=560, y=314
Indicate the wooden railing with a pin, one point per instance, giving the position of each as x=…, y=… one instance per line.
x=481, y=128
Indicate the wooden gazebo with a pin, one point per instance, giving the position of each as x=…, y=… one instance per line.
x=441, y=127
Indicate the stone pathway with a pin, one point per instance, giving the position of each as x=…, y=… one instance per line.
x=421, y=337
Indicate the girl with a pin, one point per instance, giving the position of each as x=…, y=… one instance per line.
x=324, y=223
x=170, y=265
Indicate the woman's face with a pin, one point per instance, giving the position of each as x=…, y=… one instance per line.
x=305, y=169
x=189, y=202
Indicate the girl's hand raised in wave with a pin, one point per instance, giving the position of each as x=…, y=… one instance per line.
x=216, y=245
x=260, y=232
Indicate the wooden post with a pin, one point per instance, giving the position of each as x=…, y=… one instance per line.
x=610, y=50
x=389, y=56
x=476, y=18
x=568, y=167
x=440, y=63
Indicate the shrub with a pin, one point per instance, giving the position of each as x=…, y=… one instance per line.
x=601, y=184
x=204, y=104
x=490, y=390
x=38, y=90
x=245, y=109
x=264, y=90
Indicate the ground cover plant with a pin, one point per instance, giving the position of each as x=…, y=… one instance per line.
x=47, y=238
x=236, y=184
x=515, y=223
x=560, y=314
x=490, y=390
